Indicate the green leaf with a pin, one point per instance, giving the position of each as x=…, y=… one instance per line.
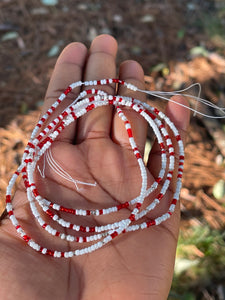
x=189, y=296
x=54, y=51
x=159, y=67
x=183, y=264
x=219, y=189
x=49, y=2
x=12, y=35
x=180, y=34
x=199, y=51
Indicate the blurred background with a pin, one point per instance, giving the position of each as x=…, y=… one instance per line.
x=178, y=42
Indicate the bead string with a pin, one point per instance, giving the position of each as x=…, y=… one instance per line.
x=40, y=143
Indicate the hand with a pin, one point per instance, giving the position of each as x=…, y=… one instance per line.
x=136, y=265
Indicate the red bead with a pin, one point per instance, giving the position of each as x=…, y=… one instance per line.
x=161, y=145
x=132, y=217
x=138, y=205
x=83, y=229
x=8, y=198
x=129, y=131
x=62, y=208
x=125, y=204
x=119, y=206
x=74, y=116
x=28, y=160
x=160, y=196
x=91, y=99
x=138, y=155
x=150, y=223
x=174, y=201
x=48, y=212
x=35, y=192
x=159, y=179
x=31, y=145
x=178, y=137
x=156, y=110
x=10, y=213
x=150, y=114
x=26, y=238
x=64, y=114
x=114, y=234
x=50, y=252
x=90, y=107
x=67, y=90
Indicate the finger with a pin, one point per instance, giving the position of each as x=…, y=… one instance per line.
x=68, y=69
x=180, y=116
x=100, y=65
x=132, y=72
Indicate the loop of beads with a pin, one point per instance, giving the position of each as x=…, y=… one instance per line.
x=41, y=141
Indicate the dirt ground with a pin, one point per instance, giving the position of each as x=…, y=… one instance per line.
x=177, y=42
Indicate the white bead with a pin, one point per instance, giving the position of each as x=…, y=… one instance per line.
x=55, y=217
x=62, y=236
x=44, y=251
x=56, y=206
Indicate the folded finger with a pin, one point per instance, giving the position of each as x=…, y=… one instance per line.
x=180, y=116
x=68, y=69
x=131, y=72
x=100, y=65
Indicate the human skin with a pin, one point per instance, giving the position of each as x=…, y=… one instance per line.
x=138, y=265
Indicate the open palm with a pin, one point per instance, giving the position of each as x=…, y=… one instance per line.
x=94, y=150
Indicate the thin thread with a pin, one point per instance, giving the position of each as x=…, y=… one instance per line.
x=161, y=95
x=59, y=170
